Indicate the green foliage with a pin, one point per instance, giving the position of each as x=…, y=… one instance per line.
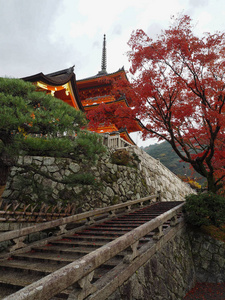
x=171, y=160
x=27, y=182
x=28, y=112
x=121, y=157
x=57, y=147
x=89, y=144
x=24, y=111
x=33, y=123
x=84, y=178
x=205, y=209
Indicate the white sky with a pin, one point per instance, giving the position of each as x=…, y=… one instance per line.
x=50, y=35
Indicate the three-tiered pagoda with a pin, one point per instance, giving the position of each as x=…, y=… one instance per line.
x=87, y=94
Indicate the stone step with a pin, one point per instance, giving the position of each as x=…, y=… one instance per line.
x=18, y=279
x=15, y=274
x=103, y=233
x=48, y=257
x=9, y=286
x=26, y=266
x=86, y=237
x=76, y=243
x=63, y=250
x=59, y=260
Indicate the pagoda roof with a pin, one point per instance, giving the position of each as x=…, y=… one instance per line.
x=102, y=75
x=111, y=100
x=58, y=78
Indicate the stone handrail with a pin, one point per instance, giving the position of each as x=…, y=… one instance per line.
x=81, y=270
x=17, y=237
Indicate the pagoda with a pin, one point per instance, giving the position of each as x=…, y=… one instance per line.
x=97, y=90
x=87, y=94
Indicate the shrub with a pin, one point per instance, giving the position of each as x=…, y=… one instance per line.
x=205, y=209
x=121, y=157
x=89, y=144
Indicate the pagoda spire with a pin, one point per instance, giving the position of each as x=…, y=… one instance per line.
x=103, y=69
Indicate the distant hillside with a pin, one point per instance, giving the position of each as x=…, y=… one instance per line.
x=169, y=158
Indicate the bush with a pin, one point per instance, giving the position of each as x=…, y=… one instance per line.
x=121, y=157
x=89, y=144
x=205, y=209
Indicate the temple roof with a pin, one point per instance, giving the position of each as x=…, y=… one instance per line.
x=97, y=76
x=98, y=100
x=58, y=78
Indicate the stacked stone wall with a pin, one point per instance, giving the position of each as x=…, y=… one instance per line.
x=160, y=178
x=189, y=257
x=208, y=256
x=169, y=274
x=114, y=183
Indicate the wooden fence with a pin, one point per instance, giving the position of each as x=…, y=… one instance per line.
x=17, y=212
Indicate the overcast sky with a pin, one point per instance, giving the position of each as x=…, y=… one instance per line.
x=50, y=35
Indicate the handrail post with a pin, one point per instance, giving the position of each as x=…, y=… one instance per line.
x=134, y=248
x=174, y=221
x=158, y=197
x=83, y=288
x=18, y=243
x=90, y=221
x=158, y=233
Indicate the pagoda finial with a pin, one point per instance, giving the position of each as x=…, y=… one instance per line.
x=103, y=70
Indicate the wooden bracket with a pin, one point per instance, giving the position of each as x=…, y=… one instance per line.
x=128, y=207
x=62, y=229
x=18, y=243
x=90, y=221
x=158, y=233
x=128, y=258
x=83, y=288
x=173, y=221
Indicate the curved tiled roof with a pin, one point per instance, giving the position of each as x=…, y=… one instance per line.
x=56, y=79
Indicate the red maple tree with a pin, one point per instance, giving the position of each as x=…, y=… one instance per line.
x=178, y=94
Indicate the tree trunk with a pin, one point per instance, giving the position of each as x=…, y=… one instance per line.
x=212, y=187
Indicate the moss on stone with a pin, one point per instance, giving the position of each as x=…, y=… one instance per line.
x=115, y=200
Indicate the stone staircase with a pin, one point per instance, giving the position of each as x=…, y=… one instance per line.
x=22, y=269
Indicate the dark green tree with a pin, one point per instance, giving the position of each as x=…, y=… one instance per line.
x=32, y=121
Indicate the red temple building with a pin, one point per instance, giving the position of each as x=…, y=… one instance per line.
x=87, y=94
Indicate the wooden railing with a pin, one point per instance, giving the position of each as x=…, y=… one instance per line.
x=18, y=238
x=19, y=212
x=115, y=141
x=81, y=271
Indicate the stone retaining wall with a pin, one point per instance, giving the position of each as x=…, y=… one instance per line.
x=160, y=178
x=114, y=183
x=208, y=256
x=169, y=274
x=189, y=257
